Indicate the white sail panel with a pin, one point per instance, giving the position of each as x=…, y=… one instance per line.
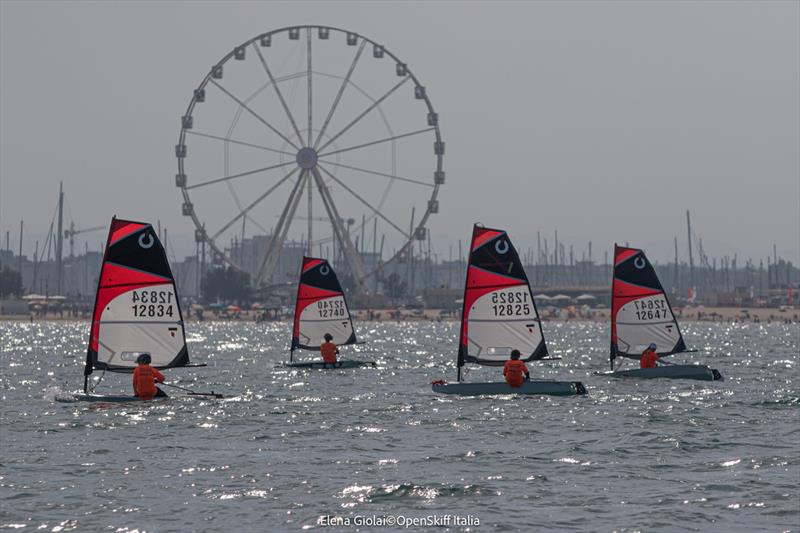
x=503, y=320
x=326, y=315
x=648, y=319
x=143, y=320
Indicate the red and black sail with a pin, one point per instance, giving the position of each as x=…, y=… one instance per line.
x=136, y=307
x=499, y=312
x=320, y=308
x=640, y=311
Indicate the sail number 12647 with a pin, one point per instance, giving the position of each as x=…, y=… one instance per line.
x=651, y=309
x=147, y=303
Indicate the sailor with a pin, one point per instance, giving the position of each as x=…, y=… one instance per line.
x=514, y=369
x=649, y=357
x=145, y=378
x=328, y=350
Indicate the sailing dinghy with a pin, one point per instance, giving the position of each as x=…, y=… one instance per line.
x=500, y=315
x=321, y=308
x=640, y=315
x=136, y=310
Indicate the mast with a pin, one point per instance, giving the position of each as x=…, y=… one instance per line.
x=460, y=361
x=588, y=280
x=60, y=237
x=555, y=258
x=19, y=259
x=309, y=250
x=35, y=266
x=691, y=260
x=296, y=301
x=677, y=276
x=375, y=263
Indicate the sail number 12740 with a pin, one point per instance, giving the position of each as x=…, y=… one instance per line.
x=148, y=303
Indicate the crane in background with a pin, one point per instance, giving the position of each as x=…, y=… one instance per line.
x=71, y=232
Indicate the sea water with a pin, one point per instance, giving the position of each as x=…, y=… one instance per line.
x=374, y=449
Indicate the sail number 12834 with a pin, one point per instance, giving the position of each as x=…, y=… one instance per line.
x=147, y=303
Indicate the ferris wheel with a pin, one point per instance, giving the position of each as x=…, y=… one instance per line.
x=313, y=125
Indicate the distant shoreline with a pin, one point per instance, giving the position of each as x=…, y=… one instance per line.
x=705, y=314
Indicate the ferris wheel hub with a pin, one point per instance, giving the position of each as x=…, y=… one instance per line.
x=307, y=158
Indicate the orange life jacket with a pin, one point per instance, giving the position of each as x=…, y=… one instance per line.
x=514, y=371
x=649, y=358
x=328, y=351
x=144, y=378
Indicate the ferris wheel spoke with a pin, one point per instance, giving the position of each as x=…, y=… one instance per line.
x=267, y=267
x=364, y=113
x=350, y=253
x=236, y=141
x=342, y=87
x=359, y=198
x=256, y=115
x=278, y=92
x=253, y=204
x=376, y=173
x=387, y=139
x=255, y=223
x=308, y=76
x=241, y=174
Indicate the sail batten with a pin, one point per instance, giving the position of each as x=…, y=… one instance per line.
x=640, y=310
x=320, y=308
x=136, y=307
x=499, y=313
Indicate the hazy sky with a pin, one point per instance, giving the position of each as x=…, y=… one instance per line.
x=605, y=121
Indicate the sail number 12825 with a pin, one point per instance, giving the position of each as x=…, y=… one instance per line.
x=512, y=303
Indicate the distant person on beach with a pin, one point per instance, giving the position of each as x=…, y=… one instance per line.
x=514, y=369
x=145, y=378
x=328, y=350
x=649, y=357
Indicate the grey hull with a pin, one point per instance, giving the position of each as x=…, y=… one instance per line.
x=553, y=388
x=700, y=372
x=110, y=398
x=348, y=363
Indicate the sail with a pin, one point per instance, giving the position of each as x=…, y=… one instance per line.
x=136, y=308
x=499, y=312
x=320, y=308
x=640, y=311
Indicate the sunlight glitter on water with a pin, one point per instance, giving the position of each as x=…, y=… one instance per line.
x=304, y=443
